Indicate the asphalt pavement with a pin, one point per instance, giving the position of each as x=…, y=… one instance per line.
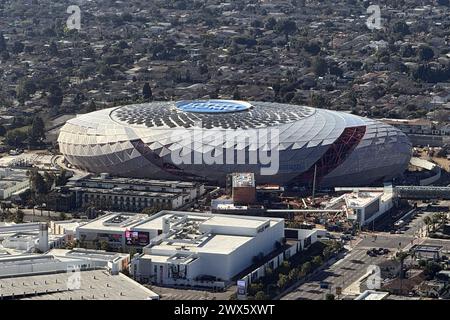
x=341, y=274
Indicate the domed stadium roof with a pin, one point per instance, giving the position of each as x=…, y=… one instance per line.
x=140, y=140
x=211, y=113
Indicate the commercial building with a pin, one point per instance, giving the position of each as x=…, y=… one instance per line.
x=297, y=240
x=76, y=274
x=60, y=260
x=13, y=181
x=422, y=132
x=202, y=249
x=207, y=140
x=68, y=228
x=130, y=194
x=243, y=188
x=189, y=248
x=29, y=237
x=372, y=295
x=305, y=237
x=115, y=229
x=85, y=285
x=364, y=205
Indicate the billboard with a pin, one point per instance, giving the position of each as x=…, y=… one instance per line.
x=242, y=287
x=137, y=238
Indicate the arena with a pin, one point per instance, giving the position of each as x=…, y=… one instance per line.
x=205, y=140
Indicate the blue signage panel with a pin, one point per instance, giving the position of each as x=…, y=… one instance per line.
x=213, y=106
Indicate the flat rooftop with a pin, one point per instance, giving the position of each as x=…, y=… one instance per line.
x=223, y=243
x=372, y=295
x=362, y=199
x=118, y=222
x=118, y=191
x=156, y=222
x=69, y=224
x=133, y=181
x=220, y=244
x=243, y=180
x=87, y=254
x=196, y=232
x=236, y=221
x=93, y=285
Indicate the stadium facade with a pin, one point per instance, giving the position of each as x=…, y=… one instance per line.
x=141, y=140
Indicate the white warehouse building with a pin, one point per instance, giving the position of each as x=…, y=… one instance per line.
x=364, y=205
x=203, y=249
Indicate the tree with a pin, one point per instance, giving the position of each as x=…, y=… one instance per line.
x=24, y=89
x=401, y=256
x=284, y=267
x=104, y=245
x=53, y=49
x=287, y=27
x=317, y=261
x=401, y=28
x=38, y=185
x=37, y=131
x=431, y=269
x=15, y=137
x=19, y=216
x=236, y=94
x=2, y=43
x=150, y=211
x=106, y=70
x=319, y=101
x=49, y=179
x=320, y=67
x=329, y=296
x=293, y=274
x=253, y=288
x=132, y=252
x=425, y=53
x=55, y=97
x=427, y=221
x=282, y=281
x=61, y=178
x=312, y=48
x=306, y=268
x=326, y=253
x=17, y=47
x=62, y=216
x=260, y=295
x=270, y=23
x=147, y=91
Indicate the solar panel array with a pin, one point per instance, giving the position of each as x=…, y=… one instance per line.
x=166, y=114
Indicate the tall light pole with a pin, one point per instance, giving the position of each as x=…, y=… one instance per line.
x=314, y=183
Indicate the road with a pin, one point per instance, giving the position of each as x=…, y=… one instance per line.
x=352, y=267
x=59, y=162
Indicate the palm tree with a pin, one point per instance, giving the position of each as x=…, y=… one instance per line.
x=435, y=219
x=401, y=256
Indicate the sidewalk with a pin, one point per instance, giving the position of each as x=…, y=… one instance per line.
x=327, y=264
